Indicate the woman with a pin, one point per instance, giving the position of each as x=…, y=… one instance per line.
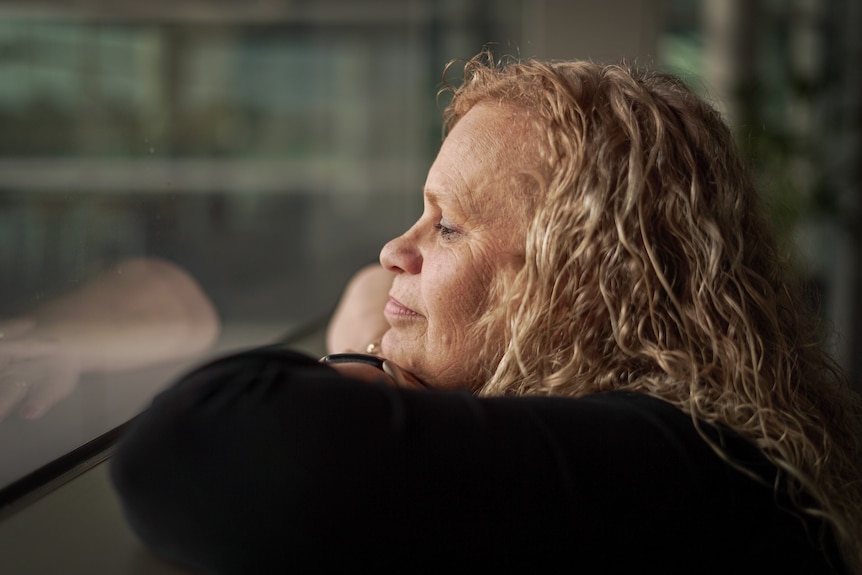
x=622, y=375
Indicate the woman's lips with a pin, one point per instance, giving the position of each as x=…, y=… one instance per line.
x=397, y=309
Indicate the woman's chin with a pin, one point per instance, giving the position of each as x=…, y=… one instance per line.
x=392, y=347
x=454, y=371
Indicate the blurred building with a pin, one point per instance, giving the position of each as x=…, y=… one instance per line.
x=272, y=146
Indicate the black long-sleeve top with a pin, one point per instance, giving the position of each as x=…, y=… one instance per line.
x=268, y=462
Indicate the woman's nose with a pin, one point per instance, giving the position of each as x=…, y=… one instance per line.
x=401, y=255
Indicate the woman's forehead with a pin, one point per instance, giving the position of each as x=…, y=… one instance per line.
x=491, y=146
x=481, y=181
x=494, y=128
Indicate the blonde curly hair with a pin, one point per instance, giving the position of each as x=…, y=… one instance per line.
x=651, y=267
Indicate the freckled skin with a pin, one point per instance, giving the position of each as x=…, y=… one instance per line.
x=476, y=191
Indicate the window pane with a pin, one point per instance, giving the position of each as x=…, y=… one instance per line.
x=267, y=154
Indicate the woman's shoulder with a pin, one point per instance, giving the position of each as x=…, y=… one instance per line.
x=642, y=467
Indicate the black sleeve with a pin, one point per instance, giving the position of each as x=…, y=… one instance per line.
x=267, y=461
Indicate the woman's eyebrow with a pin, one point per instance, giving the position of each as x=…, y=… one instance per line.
x=432, y=196
x=438, y=198
x=461, y=204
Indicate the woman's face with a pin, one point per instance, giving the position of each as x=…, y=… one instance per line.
x=472, y=229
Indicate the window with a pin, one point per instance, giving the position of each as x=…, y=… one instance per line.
x=267, y=150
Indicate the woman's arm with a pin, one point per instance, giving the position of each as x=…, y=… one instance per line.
x=267, y=461
x=358, y=319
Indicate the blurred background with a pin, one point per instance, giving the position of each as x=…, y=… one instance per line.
x=271, y=147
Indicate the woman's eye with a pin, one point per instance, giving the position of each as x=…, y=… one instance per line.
x=445, y=232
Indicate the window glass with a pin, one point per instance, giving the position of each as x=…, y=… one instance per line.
x=267, y=153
